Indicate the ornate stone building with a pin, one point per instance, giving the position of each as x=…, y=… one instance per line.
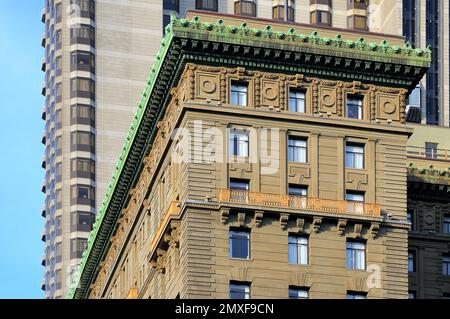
x=262, y=162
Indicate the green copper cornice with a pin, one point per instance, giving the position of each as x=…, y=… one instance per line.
x=371, y=51
x=258, y=48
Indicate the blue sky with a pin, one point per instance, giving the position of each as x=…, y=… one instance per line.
x=20, y=135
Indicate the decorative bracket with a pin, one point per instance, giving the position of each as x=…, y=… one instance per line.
x=224, y=215
x=284, y=218
x=342, y=223
x=374, y=228
x=258, y=218
x=317, y=221
x=241, y=219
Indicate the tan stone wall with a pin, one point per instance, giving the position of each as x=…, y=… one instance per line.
x=163, y=254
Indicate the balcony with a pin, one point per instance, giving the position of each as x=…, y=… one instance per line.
x=43, y=14
x=43, y=64
x=428, y=153
x=43, y=114
x=43, y=211
x=43, y=40
x=299, y=202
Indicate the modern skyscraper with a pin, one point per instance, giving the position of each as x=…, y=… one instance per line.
x=426, y=23
x=266, y=160
x=97, y=57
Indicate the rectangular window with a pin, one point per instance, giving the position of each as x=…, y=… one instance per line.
x=354, y=156
x=238, y=93
x=297, y=149
x=239, y=184
x=446, y=265
x=354, y=196
x=356, y=255
x=446, y=224
x=356, y=295
x=239, y=143
x=298, y=250
x=297, y=190
x=411, y=261
x=173, y=5
x=239, y=290
x=297, y=101
x=245, y=8
x=355, y=107
x=298, y=293
x=431, y=150
x=239, y=244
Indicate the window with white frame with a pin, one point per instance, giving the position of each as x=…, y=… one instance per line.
x=297, y=149
x=239, y=243
x=354, y=156
x=239, y=290
x=298, y=293
x=239, y=184
x=355, y=107
x=239, y=93
x=239, y=143
x=298, y=250
x=298, y=190
x=297, y=101
x=356, y=255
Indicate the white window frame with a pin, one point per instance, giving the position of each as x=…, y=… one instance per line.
x=354, y=156
x=355, y=255
x=298, y=293
x=239, y=143
x=298, y=250
x=246, y=289
x=297, y=101
x=357, y=101
x=239, y=93
x=297, y=149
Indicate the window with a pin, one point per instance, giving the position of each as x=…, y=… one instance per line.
x=239, y=290
x=298, y=293
x=239, y=93
x=321, y=17
x=86, y=8
x=83, y=34
x=82, y=221
x=297, y=190
x=171, y=5
x=357, y=22
x=446, y=224
x=82, y=114
x=83, y=167
x=354, y=156
x=279, y=10
x=411, y=295
x=166, y=21
x=356, y=255
x=411, y=261
x=298, y=250
x=208, y=5
x=297, y=149
x=245, y=8
x=77, y=246
x=354, y=196
x=297, y=101
x=446, y=265
x=239, y=184
x=354, y=107
x=431, y=150
x=356, y=295
x=239, y=244
x=239, y=143
x=82, y=60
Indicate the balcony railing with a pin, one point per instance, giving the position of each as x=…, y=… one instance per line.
x=299, y=202
x=428, y=153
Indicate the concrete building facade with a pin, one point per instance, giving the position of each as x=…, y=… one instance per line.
x=240, y=174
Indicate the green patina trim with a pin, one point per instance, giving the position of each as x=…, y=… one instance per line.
x=419, y=57
x=369, y=51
